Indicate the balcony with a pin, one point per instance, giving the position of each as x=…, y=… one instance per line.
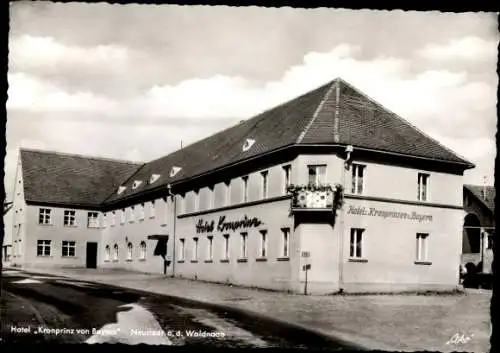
x=314, y=197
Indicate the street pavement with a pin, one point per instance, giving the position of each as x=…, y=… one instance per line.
x=44, y=308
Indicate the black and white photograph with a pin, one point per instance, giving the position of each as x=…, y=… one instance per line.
x=249, y=177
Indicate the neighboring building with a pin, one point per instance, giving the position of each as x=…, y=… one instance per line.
x=330, y=179
x=7, y=232
x=479, y=226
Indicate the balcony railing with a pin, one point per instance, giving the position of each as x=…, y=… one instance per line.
x=315, y=197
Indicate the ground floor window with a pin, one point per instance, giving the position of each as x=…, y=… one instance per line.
x=210, y=250
x=243, y=251
x=68, y=248
x=182, y=249
x=107, y=253
x=142, y=250
x=129, y=251
x=422, y=239
x=43, y=248
x=285, y=243
x=225, y=249
x=115, y=252
x=356, y=248
x=263, y=243
x=195, y=249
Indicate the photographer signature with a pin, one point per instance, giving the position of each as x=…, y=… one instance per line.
x=459, y=338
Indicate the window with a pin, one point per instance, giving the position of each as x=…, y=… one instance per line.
x=264, y=184
x=285, y=250
x=43, y=248
x=107, y=253
x=263, y=243
x=357, y=179
x=228, y=193
x=287, y=169
x=195, y=249
x=490, y=242
x=115, y=252
x=317, y=174
x=93, y=220
x=211, y=197
x=154, y=178
x=104, y=220
x=356, y=250
x=142, y=251
x=210, y=253
x=245, y=188
x=152, y=209
x=243, y=252
x=122, y=216
x=131, y=214
x=68, y=248
x=44, y=216
x=129, y=251
x=141, y=212
x=182, y=249
x=225, y=249
x=423, y=182
x=196, y=200
x=113, y=218
x=422, y=246
x=69, y=218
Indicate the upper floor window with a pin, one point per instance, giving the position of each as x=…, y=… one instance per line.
x=196, y=200
x=44, y=216
x=227, y=196
x=104, y=219
x=68, y=248
x=356, y=243
x=152, y=212
x=43, y=248
x=245, y=188
x=422, y=246
x=141, y=212
x=422, y=187
x=131, y=214
x=69, y=218
x=122, y=216
x=211, y=197
x=264, y=176
x=317, y=174
x=287, y=169
x=113, y=218
x=358, y=172
x=93, y=220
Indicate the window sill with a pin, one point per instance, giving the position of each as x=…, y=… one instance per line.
x=226, y=261
x=152, y=217
x=357, y=259
x=48, y=256
x=163, y=225
x=45, y=224
x=142, y=260
x=115, y=260
x=242, y=260
x=194, y=261
x=423, y=263
x=209, y=261
x=131, y=221
x=107, y=261
x=128, y=260
x=261, y=259
x=283, y=258
x=141, y=219
x=67, y=226
x=180, y=261
x=69, y=257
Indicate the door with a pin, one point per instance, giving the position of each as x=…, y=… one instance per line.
x=91, y=255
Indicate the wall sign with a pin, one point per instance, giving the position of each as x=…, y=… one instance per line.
x=207, y=227
x=373, y=212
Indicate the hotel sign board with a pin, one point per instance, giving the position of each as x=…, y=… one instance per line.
x=223, y=225
x=374, y=212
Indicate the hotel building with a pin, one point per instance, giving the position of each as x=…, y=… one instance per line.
x=329, y=190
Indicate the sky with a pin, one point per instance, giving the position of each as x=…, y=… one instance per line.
x=133, y=81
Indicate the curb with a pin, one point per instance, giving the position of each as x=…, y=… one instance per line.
x=352, y=341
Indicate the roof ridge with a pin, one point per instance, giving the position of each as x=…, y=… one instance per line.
x=377, y=104
x=80, y=156
x=331, y=87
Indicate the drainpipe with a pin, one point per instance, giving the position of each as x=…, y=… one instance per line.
x=349, y=149
x=173, y=230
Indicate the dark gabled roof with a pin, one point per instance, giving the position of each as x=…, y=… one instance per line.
x=335, y=113
x=68, y=179
x=485, y=194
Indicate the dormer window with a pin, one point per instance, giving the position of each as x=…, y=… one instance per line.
x=136, y=184
x=154, y=178
x=248, y=144
x=121, y=189
x=174, y=171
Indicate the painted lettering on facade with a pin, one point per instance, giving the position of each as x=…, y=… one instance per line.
x=373, y=212
x=223, y=225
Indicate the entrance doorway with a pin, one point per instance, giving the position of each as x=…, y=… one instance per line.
x=91, y=255
x=472, y=236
